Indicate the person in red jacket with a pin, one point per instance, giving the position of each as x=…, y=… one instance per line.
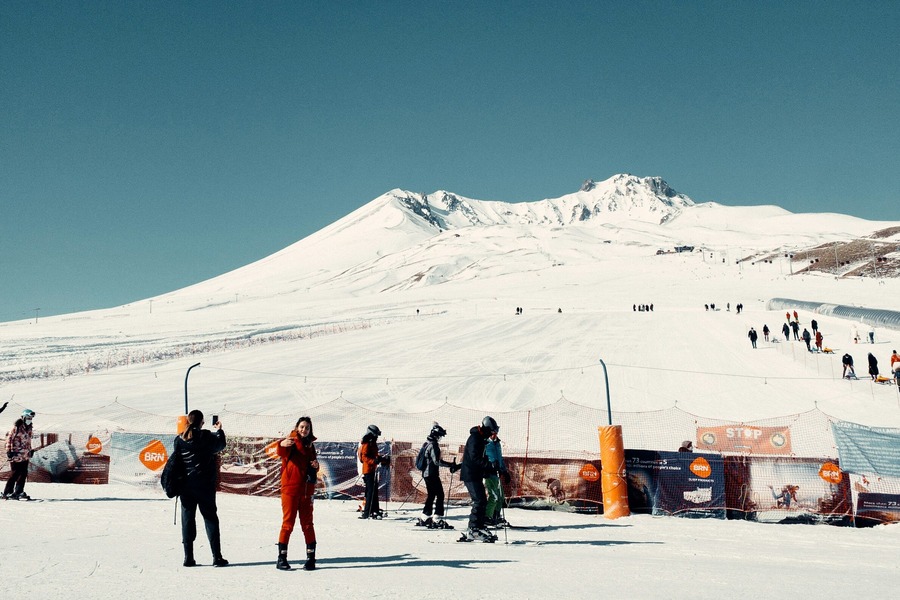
x=299, y=467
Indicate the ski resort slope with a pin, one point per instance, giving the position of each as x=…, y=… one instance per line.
x=408, y=348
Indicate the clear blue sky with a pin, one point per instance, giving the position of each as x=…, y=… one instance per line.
x=145, y=146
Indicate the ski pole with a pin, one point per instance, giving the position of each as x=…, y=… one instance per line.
x=175, y=516
x=449, y=492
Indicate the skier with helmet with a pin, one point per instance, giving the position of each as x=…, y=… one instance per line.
x=370, y=459
x=19, y=453
x=433, y=485
x=475, y=467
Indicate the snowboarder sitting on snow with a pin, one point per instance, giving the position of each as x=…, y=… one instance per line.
x=370, y=459
x=432, y=476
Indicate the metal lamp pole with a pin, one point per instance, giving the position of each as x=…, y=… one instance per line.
x=606, y=379
x=185, y=386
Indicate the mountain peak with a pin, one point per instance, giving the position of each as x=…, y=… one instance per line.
x=621, y=197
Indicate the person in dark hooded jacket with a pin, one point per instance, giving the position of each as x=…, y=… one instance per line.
x=197, y=449
x=475, y=467
x=299, y=467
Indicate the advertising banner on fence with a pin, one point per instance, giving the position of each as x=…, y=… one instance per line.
x=796, y=490
x=868, y=450
x=138, y=458
x=675, y=483
x=744, y=439
x=554, y=483
x=67, y=458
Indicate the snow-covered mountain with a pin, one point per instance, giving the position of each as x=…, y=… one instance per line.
x=409, y=302
x=404, y=239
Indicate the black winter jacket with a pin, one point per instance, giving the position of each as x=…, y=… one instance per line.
x=199, y=457
x=475, y=465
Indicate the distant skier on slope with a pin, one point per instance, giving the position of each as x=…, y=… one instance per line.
x=786, y=330
x=753, y=336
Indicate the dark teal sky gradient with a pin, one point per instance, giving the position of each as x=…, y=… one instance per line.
x=145, y=146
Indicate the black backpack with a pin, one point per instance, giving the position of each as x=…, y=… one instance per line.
x=173, y=476
x=422, y=457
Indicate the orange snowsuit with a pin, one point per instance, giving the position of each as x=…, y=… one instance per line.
x=296, y=491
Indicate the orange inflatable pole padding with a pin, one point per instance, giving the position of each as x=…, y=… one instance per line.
x=182, y=424
x=612, y=475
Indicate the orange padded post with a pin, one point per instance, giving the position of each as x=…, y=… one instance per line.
x=182, y=424
x=612, y=476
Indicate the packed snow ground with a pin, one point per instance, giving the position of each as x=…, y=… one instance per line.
x=118, y=541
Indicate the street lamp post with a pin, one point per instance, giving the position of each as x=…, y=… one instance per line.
x=606, y=380
x=185, y=386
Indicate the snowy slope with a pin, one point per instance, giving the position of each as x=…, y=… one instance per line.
x=431, y=309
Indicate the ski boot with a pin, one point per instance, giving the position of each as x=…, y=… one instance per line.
x=440, y=524
x=426, y=522
x=478, y=535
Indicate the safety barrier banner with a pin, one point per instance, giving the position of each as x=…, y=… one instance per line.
x=675, y=483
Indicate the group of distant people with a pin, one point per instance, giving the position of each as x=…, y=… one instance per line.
x=874, y=373
x=642, y=307
x=792, y=327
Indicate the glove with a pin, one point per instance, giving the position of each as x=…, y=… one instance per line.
x=10, y=455
x=455, y=467
x=312, y=475
x=30, y=453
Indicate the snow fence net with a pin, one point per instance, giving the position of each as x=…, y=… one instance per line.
x=779, y=469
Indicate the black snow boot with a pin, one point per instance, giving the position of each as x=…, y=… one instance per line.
x=282, y=563
x=189, y=555
x=310, y=564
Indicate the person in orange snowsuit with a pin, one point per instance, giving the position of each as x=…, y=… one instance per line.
x=299, y=468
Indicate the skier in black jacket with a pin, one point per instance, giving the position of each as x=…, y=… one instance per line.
x=435, y=499
x=197, y=449
x=475, y=467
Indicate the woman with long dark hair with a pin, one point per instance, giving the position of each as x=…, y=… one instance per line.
x=197, y=449
x=299, y=467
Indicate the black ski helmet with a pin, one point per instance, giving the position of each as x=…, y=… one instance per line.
x=490, y=424
x=373, y=429
x=437, y=431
